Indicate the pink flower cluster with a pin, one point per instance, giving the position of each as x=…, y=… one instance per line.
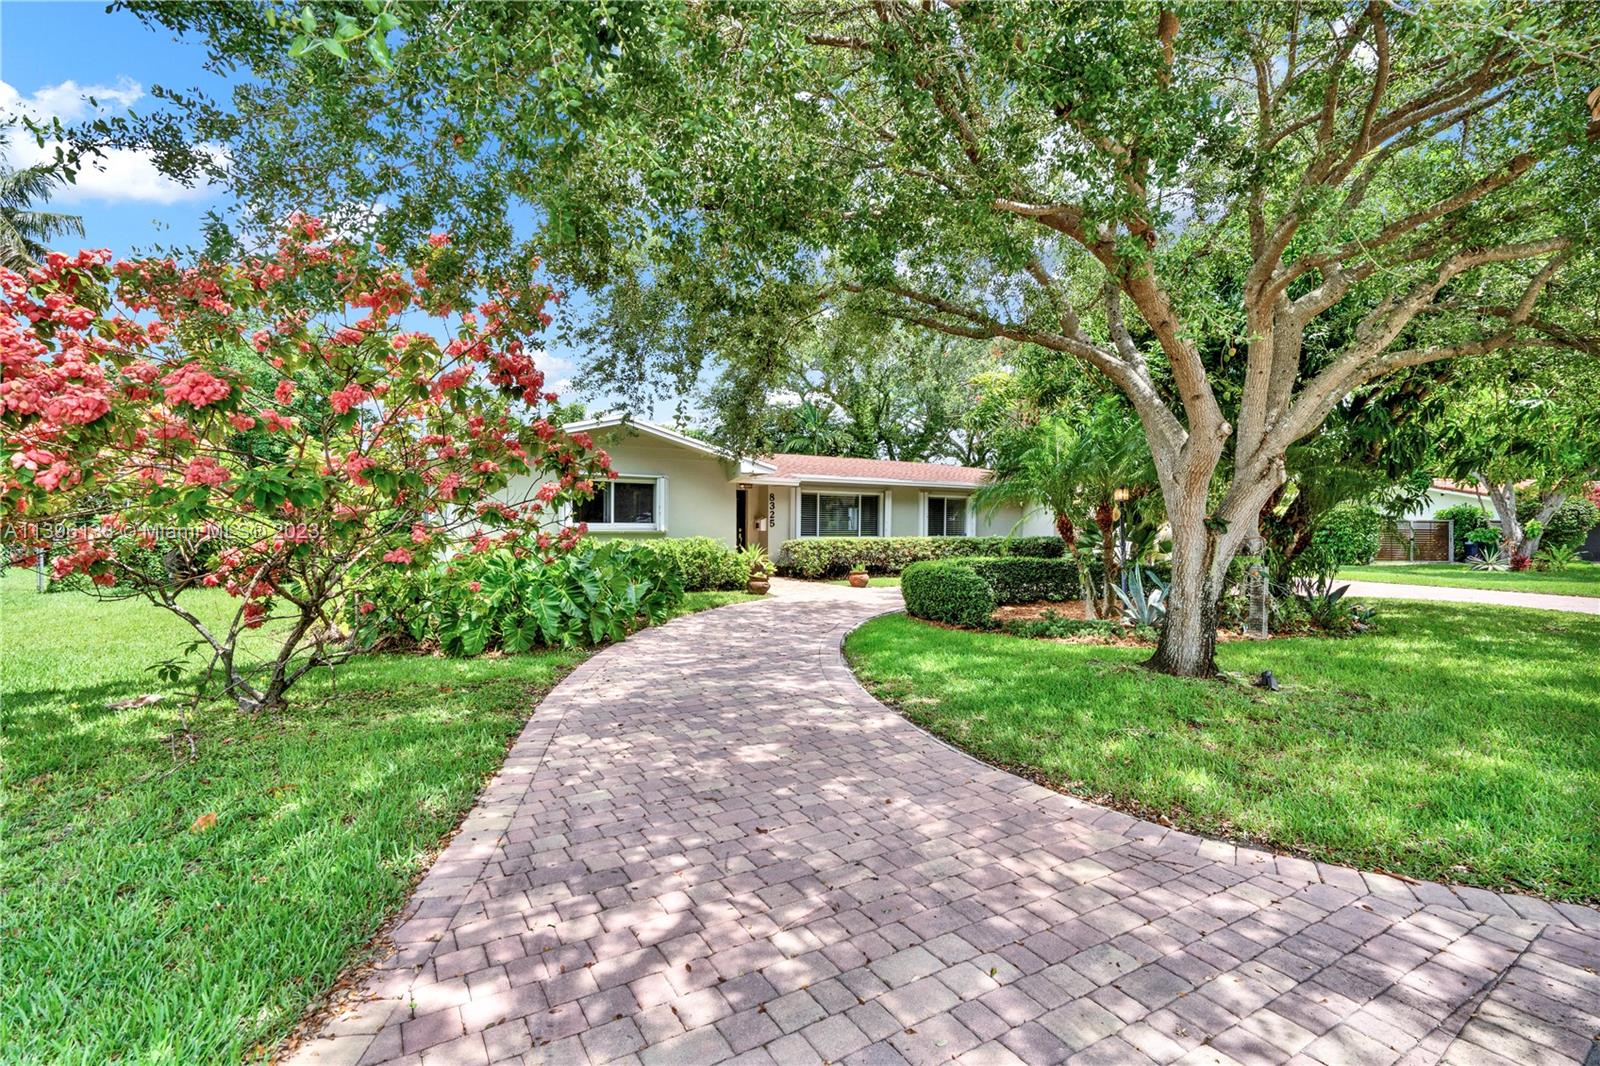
x=193, y=385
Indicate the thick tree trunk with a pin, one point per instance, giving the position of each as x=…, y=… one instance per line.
x=1188, y=643
x=1513, y=534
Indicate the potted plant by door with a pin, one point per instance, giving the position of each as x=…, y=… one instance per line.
x=858, y=577
x=758, y=569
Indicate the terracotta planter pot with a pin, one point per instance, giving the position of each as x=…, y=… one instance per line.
x=858, y=581
x=758, y=586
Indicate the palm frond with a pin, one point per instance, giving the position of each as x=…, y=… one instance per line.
x=25, y=232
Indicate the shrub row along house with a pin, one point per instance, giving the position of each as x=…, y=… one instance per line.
x=672, y=485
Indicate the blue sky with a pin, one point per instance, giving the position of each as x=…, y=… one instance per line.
x=54, y=56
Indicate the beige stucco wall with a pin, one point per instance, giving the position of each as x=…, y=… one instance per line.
x=904, y=510
x=1439, y=499
x=701, y=492
x=702, y=497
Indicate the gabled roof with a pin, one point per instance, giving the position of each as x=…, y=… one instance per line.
x=877, y=471
x=651, y=429
x=793, y=469
x=1446, y=485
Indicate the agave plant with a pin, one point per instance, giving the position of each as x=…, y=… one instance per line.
x=1496, y=562
x=1141, y=607
x=1320, y=599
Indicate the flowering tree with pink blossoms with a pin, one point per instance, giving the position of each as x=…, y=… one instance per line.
x=309, y=418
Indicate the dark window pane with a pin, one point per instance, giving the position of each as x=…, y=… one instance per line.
x=593, y=510
x=935, y=516
x=955, y=517
x=634, y=502
x=808, y=514
x=839, y=516
x=869, y=516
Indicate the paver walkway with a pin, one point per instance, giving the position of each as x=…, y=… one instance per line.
x=711, y=845
x=1500, y=597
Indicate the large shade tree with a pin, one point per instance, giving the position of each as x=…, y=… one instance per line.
x=1055, y=173
x=860, y=386
x=1527, y=430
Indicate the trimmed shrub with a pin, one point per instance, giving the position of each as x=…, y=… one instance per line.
x=483, y=601
x=1468, y=518
x=1023, y=580
x=950, y=591
x=702, y=563
x=833, y=556
x=1348, y=535
x=965, y=592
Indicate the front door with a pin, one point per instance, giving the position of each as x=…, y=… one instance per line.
x=743, y=506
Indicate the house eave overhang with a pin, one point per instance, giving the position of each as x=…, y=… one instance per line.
x=747, y=467
x=824, y=479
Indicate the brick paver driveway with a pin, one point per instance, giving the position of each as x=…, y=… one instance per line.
x=711, y=845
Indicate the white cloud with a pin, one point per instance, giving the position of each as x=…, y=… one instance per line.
x=117, y=175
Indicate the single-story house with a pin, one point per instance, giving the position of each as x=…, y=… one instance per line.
x=1429, y=541
x=1442, y=494
x=669, y=484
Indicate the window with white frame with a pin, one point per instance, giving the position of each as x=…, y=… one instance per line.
x=829, y=514
x=626, y=503
x=947, y=516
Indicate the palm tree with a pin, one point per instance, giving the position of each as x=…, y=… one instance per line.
x=811, y=431
x=23, y=230
x=1086, y=467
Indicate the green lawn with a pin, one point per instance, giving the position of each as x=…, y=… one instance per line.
x=127, y=936
x=1458, y=743
x=1579, y=579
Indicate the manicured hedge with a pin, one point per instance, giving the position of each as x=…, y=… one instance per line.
x=965, y=592
x=1020, y=580
x=949, y=591
x=702, y=563
x=832, y=556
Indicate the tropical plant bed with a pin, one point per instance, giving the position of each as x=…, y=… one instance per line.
x=1455, y=743
x=163, y=906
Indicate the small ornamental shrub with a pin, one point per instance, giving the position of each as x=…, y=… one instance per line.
x=1556, y=559
x=1348, y=535
x=815, y=557
x=317, y=415
x=510, y=599
x=949, y=591
x=702, y=562
x=1468, y=519
x=756, y=562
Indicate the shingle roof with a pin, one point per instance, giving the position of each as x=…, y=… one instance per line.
x=822, y=467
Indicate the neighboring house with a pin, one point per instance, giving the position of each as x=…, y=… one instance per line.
x=672, y=485
x=1443, y=493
